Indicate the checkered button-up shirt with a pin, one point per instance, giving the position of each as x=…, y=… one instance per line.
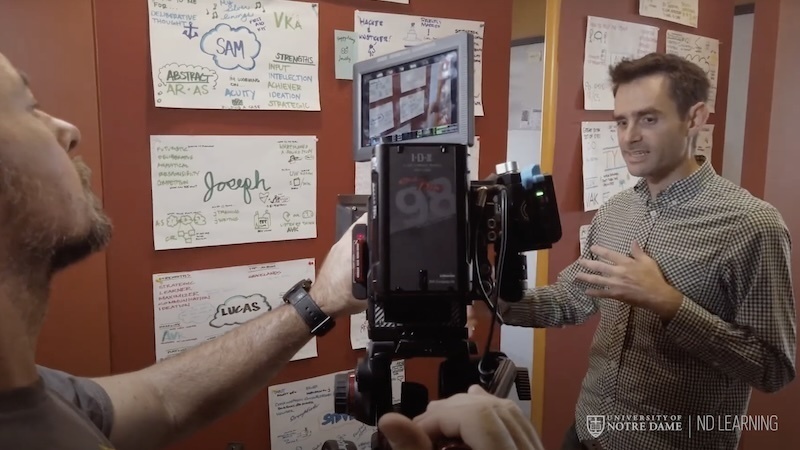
x=649, y=382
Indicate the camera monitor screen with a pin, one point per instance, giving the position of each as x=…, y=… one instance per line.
x=422, y=94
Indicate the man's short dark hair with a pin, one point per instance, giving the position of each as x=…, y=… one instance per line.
x=688, y=84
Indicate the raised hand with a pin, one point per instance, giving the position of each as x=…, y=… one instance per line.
x=636, y=280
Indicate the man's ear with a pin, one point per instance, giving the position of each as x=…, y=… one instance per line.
x=698, y=115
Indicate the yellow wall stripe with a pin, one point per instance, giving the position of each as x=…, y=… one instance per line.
x=549, y=101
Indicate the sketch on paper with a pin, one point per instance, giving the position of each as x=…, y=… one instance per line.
x=194, y=307
x=382, y=33
x=242, y=54
x=221, y=190
x=684, y=12
x=702, y=51
x=604, y=170
x=608, y=42
x=302, y=415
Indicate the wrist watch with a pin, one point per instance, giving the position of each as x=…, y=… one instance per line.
x=299, y=297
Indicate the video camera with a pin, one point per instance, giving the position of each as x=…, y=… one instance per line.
x=435, y=239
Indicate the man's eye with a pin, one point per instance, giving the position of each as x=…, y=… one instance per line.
x=649, y=119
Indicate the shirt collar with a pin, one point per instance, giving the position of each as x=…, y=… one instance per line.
x=681, y=190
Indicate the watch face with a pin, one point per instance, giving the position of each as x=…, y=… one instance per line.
x=296, y=292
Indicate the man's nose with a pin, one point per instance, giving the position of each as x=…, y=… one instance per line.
x=67, y=134
x=632, y=134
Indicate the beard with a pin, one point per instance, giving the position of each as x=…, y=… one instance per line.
x=43, y=247
x=74, y=248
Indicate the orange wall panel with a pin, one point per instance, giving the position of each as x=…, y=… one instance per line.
x=53, y=42
x=770, y=164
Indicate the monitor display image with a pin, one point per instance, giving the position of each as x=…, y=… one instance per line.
x=421, y=94
x=411, y=101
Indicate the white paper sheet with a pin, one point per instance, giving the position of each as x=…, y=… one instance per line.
x=193, y=307
x=700, y=50
x=608, y=41
x=526, y=78
x=359, y=327
x=405, y=2
x=678, y=11
x=604, y=169
x=364, y=168
x=413, y=79
x=412, y=105
x=705, y=141
x=473, y=162
x=302, y=415
x=381, y=33
x=346, y=51
x=235, y=54
x=219, y=190
x=363, y=180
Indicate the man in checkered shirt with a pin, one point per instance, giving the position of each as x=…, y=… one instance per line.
x=691, y=275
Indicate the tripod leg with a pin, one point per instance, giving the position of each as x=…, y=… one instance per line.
x=380, y=386
x=413, y=399
x=456, y=375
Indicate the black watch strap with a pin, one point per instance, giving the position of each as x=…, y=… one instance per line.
x=298, y=296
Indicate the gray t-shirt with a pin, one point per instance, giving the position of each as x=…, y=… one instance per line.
x=59, y=412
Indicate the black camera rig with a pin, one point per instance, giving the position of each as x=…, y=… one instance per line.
x=435, y=242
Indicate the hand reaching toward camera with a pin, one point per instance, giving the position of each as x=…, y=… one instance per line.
x=481, y=420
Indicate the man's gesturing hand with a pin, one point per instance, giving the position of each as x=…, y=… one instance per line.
x=481, y=420
x=635, y=280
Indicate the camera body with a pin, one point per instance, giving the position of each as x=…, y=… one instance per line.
x=425, y=247
x=435, y=242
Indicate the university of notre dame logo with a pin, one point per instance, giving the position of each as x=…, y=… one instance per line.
x=595, y=425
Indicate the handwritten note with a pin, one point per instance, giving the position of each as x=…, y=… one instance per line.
x=604, y=169
x=302, y=414
x=194, y=307
x=220, y=190
x=235, y=54
x=678, y=11
x=381, y=33
x=364, y=169
x=608, y=42
x=705, y=142
x=346, y=53
x=700, y=50
x=359, y=329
